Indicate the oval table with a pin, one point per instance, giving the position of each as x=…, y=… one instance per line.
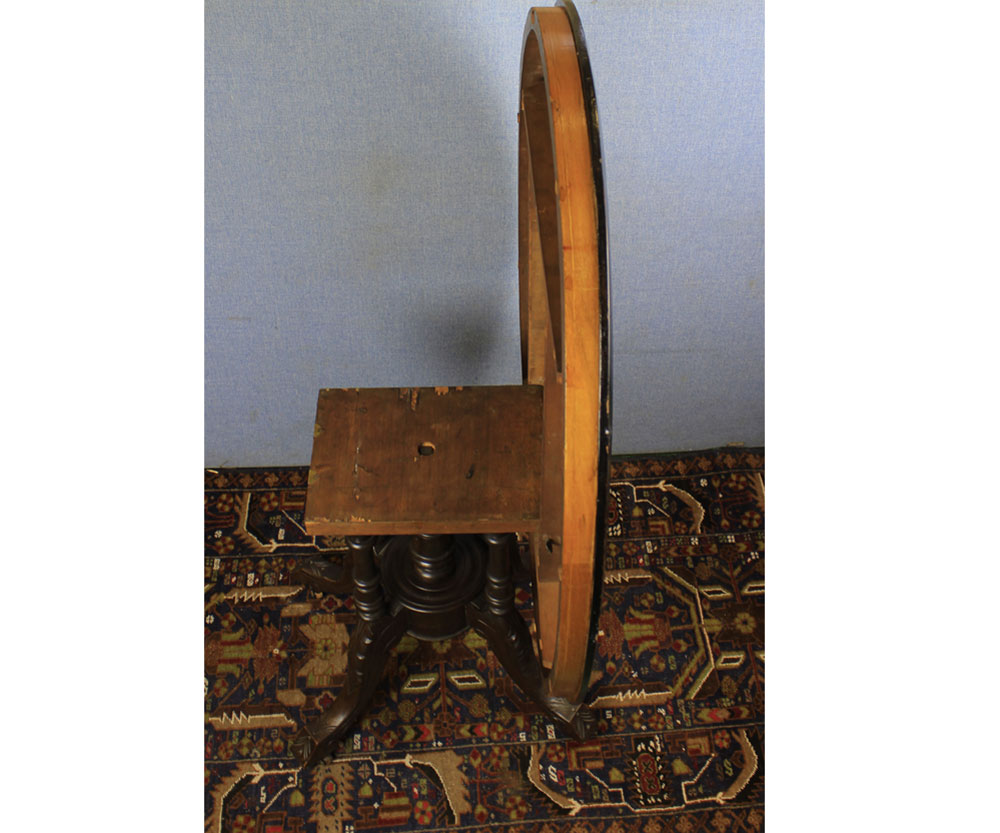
x=434, y=487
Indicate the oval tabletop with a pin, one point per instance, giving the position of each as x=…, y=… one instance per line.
x=565, y=335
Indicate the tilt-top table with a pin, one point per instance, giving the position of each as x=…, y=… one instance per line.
x=431, y=485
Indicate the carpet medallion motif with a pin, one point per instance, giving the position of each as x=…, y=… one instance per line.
x=450, y=742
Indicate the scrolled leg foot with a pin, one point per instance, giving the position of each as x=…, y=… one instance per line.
x=576, y=718
x=321, y=574
x=305, y=748
x=509, y=639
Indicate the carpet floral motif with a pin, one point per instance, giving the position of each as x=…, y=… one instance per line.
x=450, y=742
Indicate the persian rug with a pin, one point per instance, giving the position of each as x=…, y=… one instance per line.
x=450, y=743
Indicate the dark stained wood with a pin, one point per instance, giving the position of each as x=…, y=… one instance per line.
x=432, y=587
x=399, y=461
x=372, y=639
x=494, y=617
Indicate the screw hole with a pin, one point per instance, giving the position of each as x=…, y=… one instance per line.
x=425, y=449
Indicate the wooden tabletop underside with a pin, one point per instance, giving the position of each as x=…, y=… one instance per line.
x=400, y=461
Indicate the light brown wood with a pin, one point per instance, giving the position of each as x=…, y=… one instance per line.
x=561, y=335
x=400, y=461
x=533, y=296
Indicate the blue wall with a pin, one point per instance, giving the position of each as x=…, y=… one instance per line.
x=361, y=211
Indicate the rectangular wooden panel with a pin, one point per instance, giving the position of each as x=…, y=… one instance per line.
x=398, y=461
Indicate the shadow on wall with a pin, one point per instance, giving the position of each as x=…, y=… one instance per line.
x=360, y=213
x=434, y=183
x=366, y=164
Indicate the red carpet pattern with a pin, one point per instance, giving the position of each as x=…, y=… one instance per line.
x=450, y=743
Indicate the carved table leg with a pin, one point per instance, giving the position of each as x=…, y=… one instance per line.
x=373, y=638
x=507, y=634
x=320, y=573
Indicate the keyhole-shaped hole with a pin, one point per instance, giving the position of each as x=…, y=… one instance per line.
x=425, y=449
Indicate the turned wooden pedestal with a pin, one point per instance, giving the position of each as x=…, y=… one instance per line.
x=431, y=587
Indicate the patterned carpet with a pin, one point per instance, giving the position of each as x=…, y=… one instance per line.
x=450, y=743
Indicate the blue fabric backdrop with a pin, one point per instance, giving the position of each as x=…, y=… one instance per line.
x=361, y=217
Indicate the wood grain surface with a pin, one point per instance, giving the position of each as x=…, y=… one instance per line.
x=399, y=461
x=561, y=337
